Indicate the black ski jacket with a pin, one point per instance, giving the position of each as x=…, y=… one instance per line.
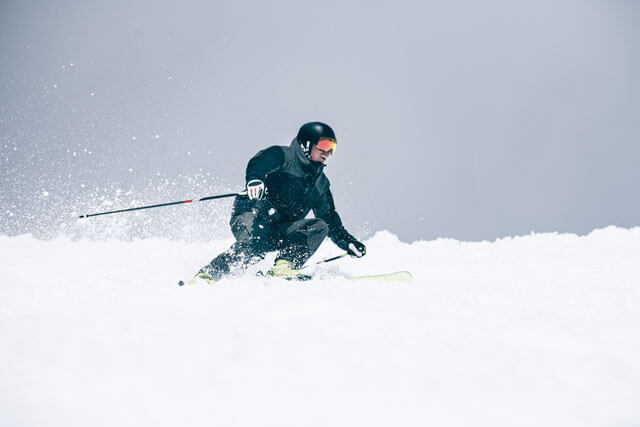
x=295, y=185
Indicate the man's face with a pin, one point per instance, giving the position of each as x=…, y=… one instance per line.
x=317, y=155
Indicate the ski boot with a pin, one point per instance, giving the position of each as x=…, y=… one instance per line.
x=199, y=279
x=284, y=269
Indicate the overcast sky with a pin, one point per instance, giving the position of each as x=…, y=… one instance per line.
x=471, y=120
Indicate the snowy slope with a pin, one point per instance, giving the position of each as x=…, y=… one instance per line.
x=536, y=330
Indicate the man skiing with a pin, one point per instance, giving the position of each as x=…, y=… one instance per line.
x=283, y=185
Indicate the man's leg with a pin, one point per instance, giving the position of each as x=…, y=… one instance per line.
x=234, y=259
x=251, y=246
x=301, y=239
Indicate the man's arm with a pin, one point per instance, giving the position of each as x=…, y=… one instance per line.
x=261, y=165
x=337, y=233
x=266, y=161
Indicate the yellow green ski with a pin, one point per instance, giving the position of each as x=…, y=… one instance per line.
x=397, y=276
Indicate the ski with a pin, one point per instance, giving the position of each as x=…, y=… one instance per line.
x=397, y=276
x=299, y=278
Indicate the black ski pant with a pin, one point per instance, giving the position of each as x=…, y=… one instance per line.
x=256, y=235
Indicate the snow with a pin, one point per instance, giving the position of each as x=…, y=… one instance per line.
x=542, y=329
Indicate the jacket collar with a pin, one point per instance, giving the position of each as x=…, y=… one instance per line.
x=306, y=163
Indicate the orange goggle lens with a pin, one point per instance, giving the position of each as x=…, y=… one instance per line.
x=327, y=144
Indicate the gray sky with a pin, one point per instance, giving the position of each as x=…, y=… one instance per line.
x=471, y=120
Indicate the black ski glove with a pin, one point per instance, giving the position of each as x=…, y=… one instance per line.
x=353, y=247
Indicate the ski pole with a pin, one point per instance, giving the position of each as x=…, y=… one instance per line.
x=326, y=260
x=220, y=196
x=333, y=258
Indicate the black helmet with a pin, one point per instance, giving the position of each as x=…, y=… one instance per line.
x=310, y=133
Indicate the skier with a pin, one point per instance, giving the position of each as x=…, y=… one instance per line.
x=283, y=185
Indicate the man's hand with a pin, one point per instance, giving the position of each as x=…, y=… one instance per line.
x=357, y=249
x=353, y=247
x=255, y=189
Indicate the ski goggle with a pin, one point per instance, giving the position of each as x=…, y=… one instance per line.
x=327, y=144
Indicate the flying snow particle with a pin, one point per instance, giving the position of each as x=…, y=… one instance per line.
x=157, y=136
x=45, y=193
